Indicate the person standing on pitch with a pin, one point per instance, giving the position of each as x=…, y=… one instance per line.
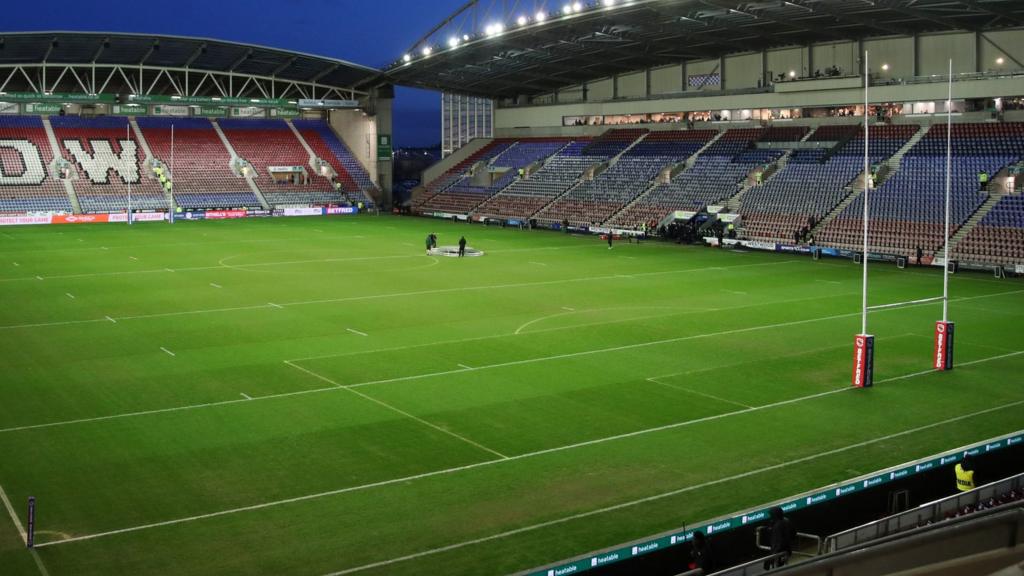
x=430, y=242
x=462, y=247
x=609, y=239
x=964, y=475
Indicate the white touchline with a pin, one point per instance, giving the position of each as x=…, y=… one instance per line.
x=168, y=351
x=112, y=321
x=464, y=366
x=14, y=516
x=246, y=396
x=272, y=305
x=663, y=495
x=566, y=308
x=356, y=332
x=398, y=411
x=485, y=463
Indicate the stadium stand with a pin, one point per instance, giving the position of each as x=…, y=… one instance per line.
x=26, y=183
x=438, y=197
x=814, y=182
x=998, y=238
x=107, y=159
x=355, y=181
x=908, y=210
x=264, y=143
x=202, y=175
x=714, y=176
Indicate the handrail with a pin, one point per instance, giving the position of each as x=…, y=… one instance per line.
x=910, y=519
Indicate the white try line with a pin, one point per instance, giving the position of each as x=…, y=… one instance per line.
x=663, y=495
x=396, y=410
x=487, y=463
x=356, y=332
x=246, y=396
x=215, y=285
x=464, y=366
x=168, y=351
x=14, y=515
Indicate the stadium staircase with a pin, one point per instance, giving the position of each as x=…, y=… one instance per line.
x=313, y=158
x=893, y=163
x=855, y=192
x=693, y=159
x=971, y=223
x=234, y=163
x=52, y=168
x=145, y=171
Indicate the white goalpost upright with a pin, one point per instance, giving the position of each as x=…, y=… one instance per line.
x=864, y=346
x=128, y=135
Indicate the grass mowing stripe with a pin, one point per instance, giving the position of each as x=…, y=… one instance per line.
x=670, y=493
x=14, y=516
x=399, y=411
x=457, y=469
x=318, y=390
x=694, y=392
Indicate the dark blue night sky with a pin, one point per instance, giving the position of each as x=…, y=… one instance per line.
x=369, y=33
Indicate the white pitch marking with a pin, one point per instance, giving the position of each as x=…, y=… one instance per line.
x=16, y=264
x=14, y=516
x=356, y=332
x=828, y=281
x=39, y=277
x=246, y=396
x=464, y=366
x=656, y=497
x=215, y=285
x=272, y=305
x=399, y=411
x=104, y=248
x=168, y=270
x=168, y=351
x=112, y=321
x=538, y=263
x=133, y=258
x=567, y=309
x=486, y=463
x=667, y=385
x=735, y=292
x=69, y=295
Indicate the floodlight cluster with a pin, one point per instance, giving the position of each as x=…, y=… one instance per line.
x=495, y=29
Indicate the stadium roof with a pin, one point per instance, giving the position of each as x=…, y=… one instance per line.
x=177, y=52
x=535, y=53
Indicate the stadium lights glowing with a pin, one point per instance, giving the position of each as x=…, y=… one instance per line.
x=608, y=3
x=792, y=73
x=567, y=9
x=521, y=21
x=465, y=37
x=1000, y=60
x=494, y=29
x=407, y=58
x=540, y=17
x=885, y=67
x=577, y=7
x=453, y=42
x=426, y=50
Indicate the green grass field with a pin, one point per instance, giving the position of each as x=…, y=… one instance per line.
x=317, y=396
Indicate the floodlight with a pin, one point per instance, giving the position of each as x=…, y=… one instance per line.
x=521, y=21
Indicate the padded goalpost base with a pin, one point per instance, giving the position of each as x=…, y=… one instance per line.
x=863, y=361
x=943, y=345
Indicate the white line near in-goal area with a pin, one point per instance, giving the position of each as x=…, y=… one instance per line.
x=497, y=461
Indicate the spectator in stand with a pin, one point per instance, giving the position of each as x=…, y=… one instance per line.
x=701, y=554
x=982, y=181
x=965, y=475
x=783, y=534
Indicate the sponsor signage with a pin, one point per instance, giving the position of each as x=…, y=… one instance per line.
x=384, y=150
x=80, y=218
x=326, y=104
x=43, y=108
x=130, y=109
x=214, y=100
x=762, y=515
x=57, y=97
x=284, y=112
x=22, y=220
x=249, y=112
x=683, y=215
x=285, y=169
x=303, y=211
x=8, y=108
x=1019, y=269
x=224, y=214
x=728, y=218
x=212, y=111
x=863, y=361
x=170, y=110
x=342, y=210
x=943, y=346
x=139, y=217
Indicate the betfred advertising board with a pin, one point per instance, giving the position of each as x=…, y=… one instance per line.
x=863, y=361
x=342, y=210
